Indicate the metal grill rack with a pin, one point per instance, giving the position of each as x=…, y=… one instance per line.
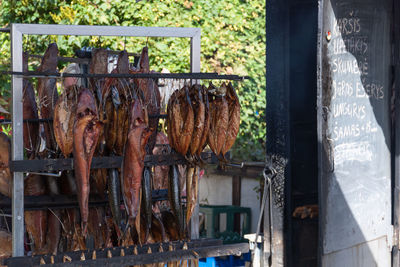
x=19, y=166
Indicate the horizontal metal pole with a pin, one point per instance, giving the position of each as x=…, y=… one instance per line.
x=194, y=75
x=67, y=201
x=6, y=30
x=82, y=60
x=196, y=249
x=115, y=252
x=85, y=30
x=50, y=165
x=8, y=121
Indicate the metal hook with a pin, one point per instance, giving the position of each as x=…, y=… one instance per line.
x=47, y=174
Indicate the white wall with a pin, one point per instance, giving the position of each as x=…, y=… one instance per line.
x=217, y=190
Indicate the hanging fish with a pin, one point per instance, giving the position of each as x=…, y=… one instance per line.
x=174, y=196
x=234, y=120
x=30, y=111
x=191, y=192
x=196, y=98
x=86, y=133
x=152, y=98
x=133, y=162
x=47, y=93
x=64, y=118
x=147, y=200
x=114, y=195
x=98, y=65
x=203, y=140
x=180, y=120
x=219, y=119
x=5, y=173
x=36, y=220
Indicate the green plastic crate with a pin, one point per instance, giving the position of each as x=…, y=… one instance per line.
x=212, y=222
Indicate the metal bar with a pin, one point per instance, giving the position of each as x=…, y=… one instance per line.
x=81, y=60
x=193, y=252
x=195, y=51
x=67, y=201
x=17, y=145
x=7, y=121
x=51, y=165
x=396, y=139
x=115, y=252
x=133, y=31
x=192, y=75
x=7, y=30
x=320, y=131
x=66, y=59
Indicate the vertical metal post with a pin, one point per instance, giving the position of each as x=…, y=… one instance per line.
x=195, y=67
x=396, y=141
x=195, y=52
x=17, y=144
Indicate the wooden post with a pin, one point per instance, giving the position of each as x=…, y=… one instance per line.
x=236, y=195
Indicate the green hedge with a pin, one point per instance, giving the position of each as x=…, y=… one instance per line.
x=232, y=42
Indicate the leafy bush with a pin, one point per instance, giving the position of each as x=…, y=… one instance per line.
x=232, y=42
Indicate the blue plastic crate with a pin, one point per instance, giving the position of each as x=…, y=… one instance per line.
x=226, y=261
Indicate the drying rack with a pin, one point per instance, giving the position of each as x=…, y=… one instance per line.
x=19, y=166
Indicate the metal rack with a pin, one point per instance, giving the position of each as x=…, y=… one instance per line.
x=17, y=32
x=19, y=165
x=123, y=256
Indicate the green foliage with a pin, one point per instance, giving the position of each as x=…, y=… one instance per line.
x=232, y=42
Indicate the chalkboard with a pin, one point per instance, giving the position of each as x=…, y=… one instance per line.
x=355, y=88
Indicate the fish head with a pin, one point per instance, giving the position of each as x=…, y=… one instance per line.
x=144, y=60
x=138, y=114
x=50, y=58
x=99, y=61
x=123, y=62
x=86, y=104
x=222, y=90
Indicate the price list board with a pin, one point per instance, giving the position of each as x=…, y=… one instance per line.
x=354, y=104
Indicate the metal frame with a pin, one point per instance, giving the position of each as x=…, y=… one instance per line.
x=17, y=31
x=396, y=138
x=124, y=256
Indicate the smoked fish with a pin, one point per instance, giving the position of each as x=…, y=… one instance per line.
x=234, y=119
x=133, y=162
x=219, y=115
x=5, y=173
x=36, y=220
x=47, y=93
x=30, y=111
x=64, y=118
x=152, y=98
x=86, y=133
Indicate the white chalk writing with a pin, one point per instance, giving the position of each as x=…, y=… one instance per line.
x=354, y=151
